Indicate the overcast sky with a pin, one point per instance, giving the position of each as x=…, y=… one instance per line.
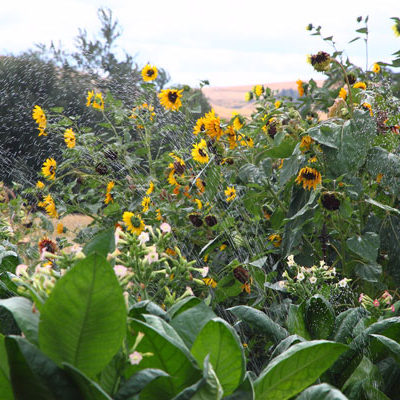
x=228, y=42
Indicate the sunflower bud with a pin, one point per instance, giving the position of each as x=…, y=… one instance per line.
x=321, y=61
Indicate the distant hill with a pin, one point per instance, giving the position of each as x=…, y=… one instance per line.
x=226, y=100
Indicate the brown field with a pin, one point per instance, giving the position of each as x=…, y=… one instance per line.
x=226, y=100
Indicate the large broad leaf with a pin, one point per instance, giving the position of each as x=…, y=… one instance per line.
x=89, y=389
x=244, y=392
x=83, y=322
x=190, y=322
x=218, y=340
x=365, y=246
x=295, y=321
x=146, y=307
x=183, y=305
x=27, y=321
x=390, y=344
x=295, y=369
x=321, y=392
x=168, y=357
x=212, y=388
x=102, y=243
x=286, y=343
x=320, y=317
x=136, y=383
x=31, y=372
x=283, y=150
x=345, y=323
x=5, y=384
x=260, y=322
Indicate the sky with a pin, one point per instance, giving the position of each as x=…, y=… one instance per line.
x=228, y=42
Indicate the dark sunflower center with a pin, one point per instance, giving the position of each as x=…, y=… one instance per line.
x=150, y=72
x=172, y=96
x=135, y=221
x=309, y=176
x=202, y=153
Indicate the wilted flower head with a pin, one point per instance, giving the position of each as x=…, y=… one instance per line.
x=321, y=61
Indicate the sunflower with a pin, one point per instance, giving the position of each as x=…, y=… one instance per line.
x=60, y=228
x=109, y=199
x=40, y=185
x=210, y=282
x=69, y=137
x=360, y=85
x=300, y=88
x=149, y=73
x=211, y=220
x=49, y=168
x=213, y=125
x=310, y=178
x=199, y=152
x=376, y=68
x=258, y=90
x=158, y=215
x=98, y=102
x=150, y=189
x=199, y=203
x=48, y=245
x=343, y=93
x=170, y=99
x=200, y=126
x=201, y=185
x=367, y=106
x=49, y=205
x=275, y=239
x=238, y=121
x=277, y=104
x=133, y=222
x=196, y=220
x=232, y=137
x=230, y=193
x=40, y=118
x=247, y=141
x=178, y=165
x=330, y=201
x=320, y=61
x=305, y=143
x=89, y=97
x=396, y=26
x=171, y=177
x=145, y=204
x=248, y=96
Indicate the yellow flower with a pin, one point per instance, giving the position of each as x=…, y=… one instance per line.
x=90, y=95
x=201, y=185
x=230, y=193
x=379, y=178
x=222, y=247
x=40, y=185
x=49, y=205
x=376, y=68
x=134, y=223
x=171, y=178
x=396, y=27
x=343, y=93
x=360, y=85
x=210, y=282
x=150, y=189
x=275, y=239
x=277, y=104
x=170, y=99
x=247, y=141
x=300, y=88
x=109, y=199
x=199, y=204
x=49, y=168
x=258, y=90
x=367, y=106
x=310, y=178
x=248, y=96
x=158, y=216
x=213, y=125
x=60, y=228
x=145, y=204
x=149, y=73
x=69, y=137
x=237, y=122
x=98, y=102
x=40, y=118
x=199, y=152
x=200, y=126
x=232, y=137
x=305, y=143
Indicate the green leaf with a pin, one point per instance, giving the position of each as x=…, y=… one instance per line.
x=83, y=322
x=5, y=384
x=320, y=317
x=21, y=310
x=190, y=322
x=168, y=357
x=218, y=340
x=39, y=374
x=365, y=246
x=345, y=323
x=390, y=344
x=382, y=206
x=244, y=392
x=212, y=388
x=146, y=307
x=370, y=272
x=322, y=391
x=283, y=150
x=295, y=369
x=285, y=344
x=89, y=389
x=136, y=383
x=295, y=321
x=260, y=322
x=102, y=243
x=183, y=305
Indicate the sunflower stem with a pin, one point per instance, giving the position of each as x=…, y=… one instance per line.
x=347, y=84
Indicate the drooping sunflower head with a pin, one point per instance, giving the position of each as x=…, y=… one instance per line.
x=321, y=61
x=330, y=201
x=360, y=85
x=170, y=99
x=199, y=152
x=230, y=193
x=309, y=177
x=211, y=220
x=49, y=168
x=69, y=138
x=196, y=220
x=149, y=73
x=48, y=245
x=305, y=143
x=133, y=222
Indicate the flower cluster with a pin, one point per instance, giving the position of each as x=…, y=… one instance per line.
x=378, y=306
